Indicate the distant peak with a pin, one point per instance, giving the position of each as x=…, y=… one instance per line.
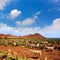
x=36, y=34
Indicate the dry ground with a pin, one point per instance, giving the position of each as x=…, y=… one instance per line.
x=25, y=52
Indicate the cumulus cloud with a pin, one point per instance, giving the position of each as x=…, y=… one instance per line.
x=28, y=21
x=14, y=14
x=54, y=27
x=25, y=22
x=3, y=3
x=52, y=30
x=48, y=31
x=5, y=29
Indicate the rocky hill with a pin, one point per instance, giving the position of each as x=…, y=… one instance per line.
x=36, y=35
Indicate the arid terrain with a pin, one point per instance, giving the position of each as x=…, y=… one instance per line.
x=34, y=47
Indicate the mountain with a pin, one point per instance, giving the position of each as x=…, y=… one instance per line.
x=7, y=36
x=36, y=35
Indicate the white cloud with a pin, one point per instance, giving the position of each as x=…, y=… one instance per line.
x=25, y=22
x=36, y=15
x=14, y=14
x=55, y=26
x=53, y=29
x=49, y=31
x=3, y=3
x=5, y=29
x=56, y=22
x=28, y=21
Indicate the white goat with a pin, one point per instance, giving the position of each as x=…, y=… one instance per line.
x=51, y=48
x=36, y=51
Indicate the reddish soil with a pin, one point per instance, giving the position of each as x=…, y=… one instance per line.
x=25, y=52
x=54, y=55
x=21, y=51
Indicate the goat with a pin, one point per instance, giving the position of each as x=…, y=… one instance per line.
x=36, y=51
x=51, y=48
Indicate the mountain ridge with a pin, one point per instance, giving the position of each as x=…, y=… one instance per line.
x=36, y=35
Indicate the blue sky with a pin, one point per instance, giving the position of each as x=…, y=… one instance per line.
x=23, y=17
